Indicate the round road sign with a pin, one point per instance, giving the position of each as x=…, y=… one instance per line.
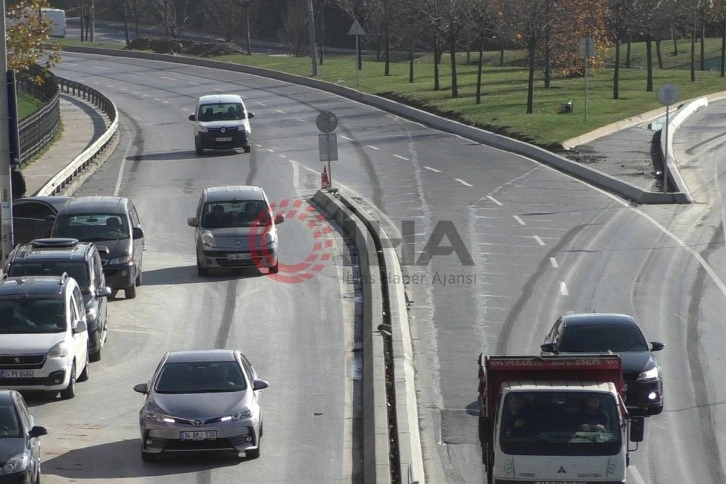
x=326, y=122
x=668, y=94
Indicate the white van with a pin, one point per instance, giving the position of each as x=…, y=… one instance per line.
x=57, y=17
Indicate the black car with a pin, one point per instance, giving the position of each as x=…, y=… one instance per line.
x=618, y=333
x=19, y=440
x=33, y=217
x=112, y=222
x=81, y=261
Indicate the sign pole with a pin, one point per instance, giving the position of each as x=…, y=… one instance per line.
x=6, y=208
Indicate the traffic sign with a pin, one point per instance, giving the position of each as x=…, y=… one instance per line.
x=326, y=122
x=668, y=94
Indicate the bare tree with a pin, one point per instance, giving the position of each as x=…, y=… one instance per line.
x=294, y=32
x=482, y=18
x=224, y=17
x=174, y=15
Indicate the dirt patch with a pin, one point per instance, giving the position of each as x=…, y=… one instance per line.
x=183, y=46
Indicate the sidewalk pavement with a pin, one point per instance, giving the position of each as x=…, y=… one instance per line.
x=81, y=124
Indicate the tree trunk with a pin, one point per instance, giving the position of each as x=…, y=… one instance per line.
x=126, y=22
x=410, y=59
x=437, y=58
x=723, y=46
x=479, y=69
x=616, y=70
x=628, y=50
x=321, y=38
x=658, y=54
x=530, y=85
x=649, y=62
x=703, y=46
x=454, y=84
x=248, y=37
x=693, y=55
x=501, y=57
x=386, y=36
x=547, y=61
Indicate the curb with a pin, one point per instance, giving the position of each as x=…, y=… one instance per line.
x=376, y=455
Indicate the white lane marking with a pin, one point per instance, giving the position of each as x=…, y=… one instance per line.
x=553, y=261
x=270, y=150
x=346, y=138
x=519, y=220
x=300, y=119
x=220, y=90
x=295, y=174
x=539, y=241
x=117, y=188
x=494, y=200
x=432, y=169
x=372, y=147
x=260, y=104
x=103, y=68
x=283, y=155
x=463, y=182
x=281, y=112
x=563, y=289
x=401, y=157
x=168, y=78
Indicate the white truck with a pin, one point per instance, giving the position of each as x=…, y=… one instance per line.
x=555, y=419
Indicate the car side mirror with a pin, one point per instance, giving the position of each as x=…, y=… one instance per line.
x=80, y=326
x=142, y=388
x=656, y=346
x=192, y=117
x=548, y=347
x=192, y=221
x=137, y=233
x=103, y=291
x=103, y=249
x=250, y=115
x=279, y=218
x=37, y=431
x=637, y=428
x=260, y=385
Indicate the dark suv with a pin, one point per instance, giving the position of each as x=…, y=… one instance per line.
x=617, y=333
x=80, y=260
x=114, y=223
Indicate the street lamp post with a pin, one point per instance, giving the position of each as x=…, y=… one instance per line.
x=6, y=209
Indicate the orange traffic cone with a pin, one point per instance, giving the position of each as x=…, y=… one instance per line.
x=325, y=181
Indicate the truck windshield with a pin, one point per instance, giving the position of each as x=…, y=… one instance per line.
x=559, y=423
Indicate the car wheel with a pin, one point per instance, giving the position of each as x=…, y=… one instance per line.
x=148, y=457
x=248, y=148
x=139, y=279
x=114, y=293
x=201, y=271
x=85, y=373
x=94, y=357
x=253, y=453
x=130, y=292
x=275, y=269
x=197, y=148
x=70, y=390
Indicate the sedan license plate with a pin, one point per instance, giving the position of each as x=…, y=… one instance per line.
x=239, y=256
x=16, y=373
x=224, y=139
x=198, y=435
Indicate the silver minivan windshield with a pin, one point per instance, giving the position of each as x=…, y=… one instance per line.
x=236, y=213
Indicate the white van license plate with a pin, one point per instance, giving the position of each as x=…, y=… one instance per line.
x=16, y=373
x=241, y=256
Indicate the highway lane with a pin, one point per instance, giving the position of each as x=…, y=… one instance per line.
x=541, y=242
x=298, y=333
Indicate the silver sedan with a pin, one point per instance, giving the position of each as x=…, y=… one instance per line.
x=201, y=401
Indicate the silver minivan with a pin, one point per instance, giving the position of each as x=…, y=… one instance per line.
x=234, y=228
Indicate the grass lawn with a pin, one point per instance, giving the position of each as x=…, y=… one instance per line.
x=504, y=87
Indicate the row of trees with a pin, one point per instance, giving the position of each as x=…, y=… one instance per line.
x=549, y=30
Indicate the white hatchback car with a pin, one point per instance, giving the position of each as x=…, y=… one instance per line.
x=221, y=122
x=43, y=334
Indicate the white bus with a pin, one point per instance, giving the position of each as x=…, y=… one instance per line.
x=57, y=17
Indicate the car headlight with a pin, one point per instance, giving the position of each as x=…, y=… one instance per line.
x=269, y=238
x=156, y=417
x=15, y=464
x=208, y=239
x=58, y=350
x=203, y=129
x=122, y=260
x=651, y=374
x=240, y=415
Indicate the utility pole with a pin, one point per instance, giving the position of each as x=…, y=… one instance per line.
x=311, y=28
x=6, y=195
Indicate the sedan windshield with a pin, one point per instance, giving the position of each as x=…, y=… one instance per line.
x=598, y=338
x=201, y=377
x=92, y=227
x=33, y=315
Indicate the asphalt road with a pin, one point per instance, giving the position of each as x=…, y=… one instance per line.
x=541, y=243
x=299, y=333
